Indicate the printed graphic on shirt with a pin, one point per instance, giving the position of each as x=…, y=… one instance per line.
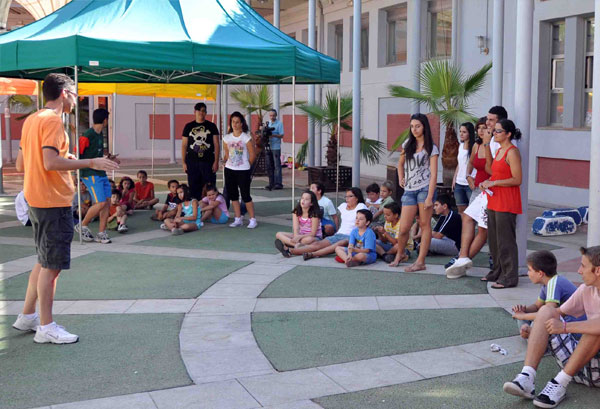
x=200, y=137
x=236, y=153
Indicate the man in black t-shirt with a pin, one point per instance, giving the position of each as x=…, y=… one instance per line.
x=445, y=238
x=200, y=151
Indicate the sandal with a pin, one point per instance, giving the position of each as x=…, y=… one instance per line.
x=497, y=286
x=285, y=252
x=308, y=256
x=483, y=279
x=415, y=267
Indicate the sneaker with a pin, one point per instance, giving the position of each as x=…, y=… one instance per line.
x=177, y=232
x=164, y=227
x=451, y=262
x=522, y=386
x=459, y=268
x=25, y=324
x=122, y=228
x=551, y=395
x=268, y=187
x=238, y=221
x=86, y=233
x=252, y=224
x=55, y=334
x=388, y=258
x=102, y=237
x=278, y=187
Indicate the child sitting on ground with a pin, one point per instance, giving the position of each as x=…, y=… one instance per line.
x=86, y=202
x=362, y=243
x=113, y=185
x=387, y=244
x=213, y=206
x=144, y=192
x=373, y=200
x=541, y=269
x=385, y=194
x=445, y=236
x=169, y=209
x=126, y=187
x=117, y=215
x=329, y=217
x=188, y=214
x=306, y=225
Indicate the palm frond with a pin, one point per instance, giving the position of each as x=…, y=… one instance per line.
x=403, y=92
x=399, y=140
x=302, y=152
x=475, y=82
x=371, y=150
x=243, y=97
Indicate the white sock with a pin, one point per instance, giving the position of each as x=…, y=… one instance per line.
x=31, y=316
x=463, y=259
x=563, y=378
x=45, y=327
x=529, y=371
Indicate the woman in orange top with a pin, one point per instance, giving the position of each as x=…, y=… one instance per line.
x=503, y=206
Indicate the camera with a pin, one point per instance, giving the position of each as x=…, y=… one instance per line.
x=265, y=134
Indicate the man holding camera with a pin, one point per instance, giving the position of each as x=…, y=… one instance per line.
x=273, y=152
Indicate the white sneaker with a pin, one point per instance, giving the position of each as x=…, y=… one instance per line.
x=522, y=386
x=86, y=233
x=25, y=324
x=551, y=395
x=102, y=237
x=164, y=227
x=55, y=334
x=237, y=222
x=459, y=268
x=122, y=228
x=252, y=224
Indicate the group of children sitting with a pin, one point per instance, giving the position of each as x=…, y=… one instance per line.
x=368, y=228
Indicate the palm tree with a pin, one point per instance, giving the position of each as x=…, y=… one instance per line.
x=445, y=90
x=254, y=99
x=327, y=116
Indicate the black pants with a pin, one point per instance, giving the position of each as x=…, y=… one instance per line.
x=502, y=240
x=236, y=182
x=199, y=174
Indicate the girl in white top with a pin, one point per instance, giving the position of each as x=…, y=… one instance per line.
x=460, y=185
x=239, y=157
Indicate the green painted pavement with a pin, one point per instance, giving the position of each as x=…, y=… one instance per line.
x=224, y=238
x=475, y=389
x=115, y=276
x=482, y=259
x=7, y=218
x=274, y=207
x=536, y=245
x=116, y=355
x=340, y=282
x=9, y=252
x=300, y=340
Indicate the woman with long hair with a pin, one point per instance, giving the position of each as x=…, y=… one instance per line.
x=239, y=157
x=460, y=184
x=417, y=174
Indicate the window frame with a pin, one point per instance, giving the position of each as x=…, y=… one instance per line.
x=554, y=60
x=401, y=11
x=436, y=7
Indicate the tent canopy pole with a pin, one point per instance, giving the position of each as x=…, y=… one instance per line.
x=77, y=151
x=153, y=130
x=293, y=140
x=337, y=153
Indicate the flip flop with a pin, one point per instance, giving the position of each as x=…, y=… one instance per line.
x=308, y=256
x=415, y=267
x=500, y=286
x=483, y=279
x=281, y=247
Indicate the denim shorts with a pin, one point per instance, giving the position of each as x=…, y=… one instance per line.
x=337, y=237
x=221, y=220
x=462, y=194
x=371, y=257
x=386, y=246
x=413, y=197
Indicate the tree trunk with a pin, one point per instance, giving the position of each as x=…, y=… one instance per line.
x=331, y=155
x=449, y=155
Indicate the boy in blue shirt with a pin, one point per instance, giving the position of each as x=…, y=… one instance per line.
x=362, y=242
x=556, y=290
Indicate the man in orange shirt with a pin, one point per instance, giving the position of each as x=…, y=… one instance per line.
x=45, y=158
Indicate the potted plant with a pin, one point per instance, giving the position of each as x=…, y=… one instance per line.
x=445, y=91
x=327, y=116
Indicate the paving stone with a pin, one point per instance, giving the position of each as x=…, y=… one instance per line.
x=99, y=307
x=161, y=306
x=285, y=304
x=219, y=290
x=218, y=395
x=347, y=303
x=409, y=302
x=248, y=279
x=205, y=341
x=442, y=361
x=515, y=346
x=4, y=304
x=301, y=404
x=370, y=373
x=134, y=401
x=225, y=362
x=237, y=322
x=465, y=301
x=223, y=305
x=225, y=377
x=290, y=386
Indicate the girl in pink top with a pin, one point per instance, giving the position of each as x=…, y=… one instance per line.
x=306, y=225
x=214, y=208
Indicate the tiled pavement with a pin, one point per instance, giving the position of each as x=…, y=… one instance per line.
x=223, y=359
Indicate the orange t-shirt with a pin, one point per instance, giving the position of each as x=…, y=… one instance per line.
x=143, y=192
x=43, y=188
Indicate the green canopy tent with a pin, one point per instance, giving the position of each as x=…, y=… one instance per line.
x=172, y=41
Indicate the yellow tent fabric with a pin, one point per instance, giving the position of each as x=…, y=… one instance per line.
x=193, y=91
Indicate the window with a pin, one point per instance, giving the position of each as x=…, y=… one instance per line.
x=335, y=41
x=588, y=73
x=557, y=75
x=439, y=29
x=305, y=37
x=395, y=35
x=364, y=40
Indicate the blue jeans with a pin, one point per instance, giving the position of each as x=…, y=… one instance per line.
x=273, y=162
x=414, y=197
x=462, y=194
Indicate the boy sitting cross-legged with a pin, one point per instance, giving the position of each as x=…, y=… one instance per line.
x=117, y=213
x=579, y=358
x=556, y=290
x=144, y=192
x=169, y=209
